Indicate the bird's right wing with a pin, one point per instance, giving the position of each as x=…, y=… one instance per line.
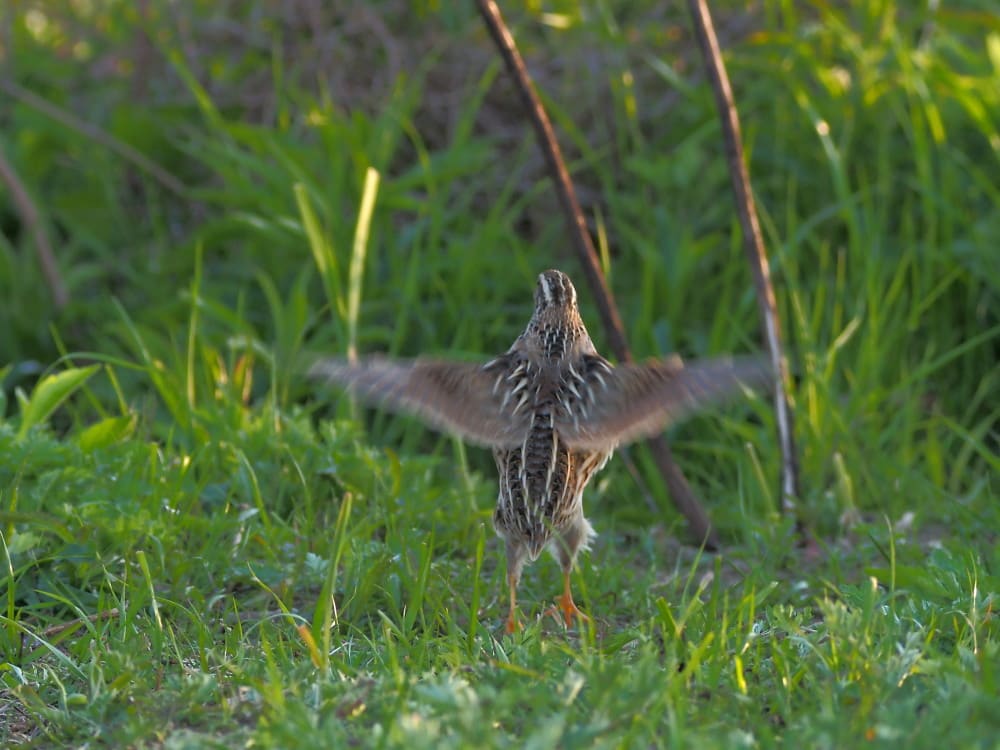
x=608, y=406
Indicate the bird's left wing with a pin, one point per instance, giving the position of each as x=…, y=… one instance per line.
x=466, y=399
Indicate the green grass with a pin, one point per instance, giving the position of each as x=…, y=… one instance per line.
x=202, y=550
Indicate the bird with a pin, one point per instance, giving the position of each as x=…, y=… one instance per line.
x=553, y=411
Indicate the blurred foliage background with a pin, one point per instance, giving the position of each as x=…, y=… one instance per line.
x=145, y=131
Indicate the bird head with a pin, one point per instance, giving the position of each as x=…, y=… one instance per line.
x=554, y=293
x=556, y=329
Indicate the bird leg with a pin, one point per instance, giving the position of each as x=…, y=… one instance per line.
x=515, y=563
x=512, y=626
x=565, y=605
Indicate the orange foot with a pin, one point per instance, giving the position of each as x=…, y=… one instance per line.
x=567, y=608
x=512, y=625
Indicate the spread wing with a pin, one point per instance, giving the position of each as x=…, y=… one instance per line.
x=600, y=405
x=466, y=399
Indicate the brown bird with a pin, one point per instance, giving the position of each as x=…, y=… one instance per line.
x=553, y=410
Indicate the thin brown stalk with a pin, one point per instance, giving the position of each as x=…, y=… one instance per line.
x=104, y=614
x=680, y=491
x=32, y=221
x=753, y=244
x=96, y=134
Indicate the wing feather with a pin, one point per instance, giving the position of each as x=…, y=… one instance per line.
x=462, y=398
x=618, y=405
